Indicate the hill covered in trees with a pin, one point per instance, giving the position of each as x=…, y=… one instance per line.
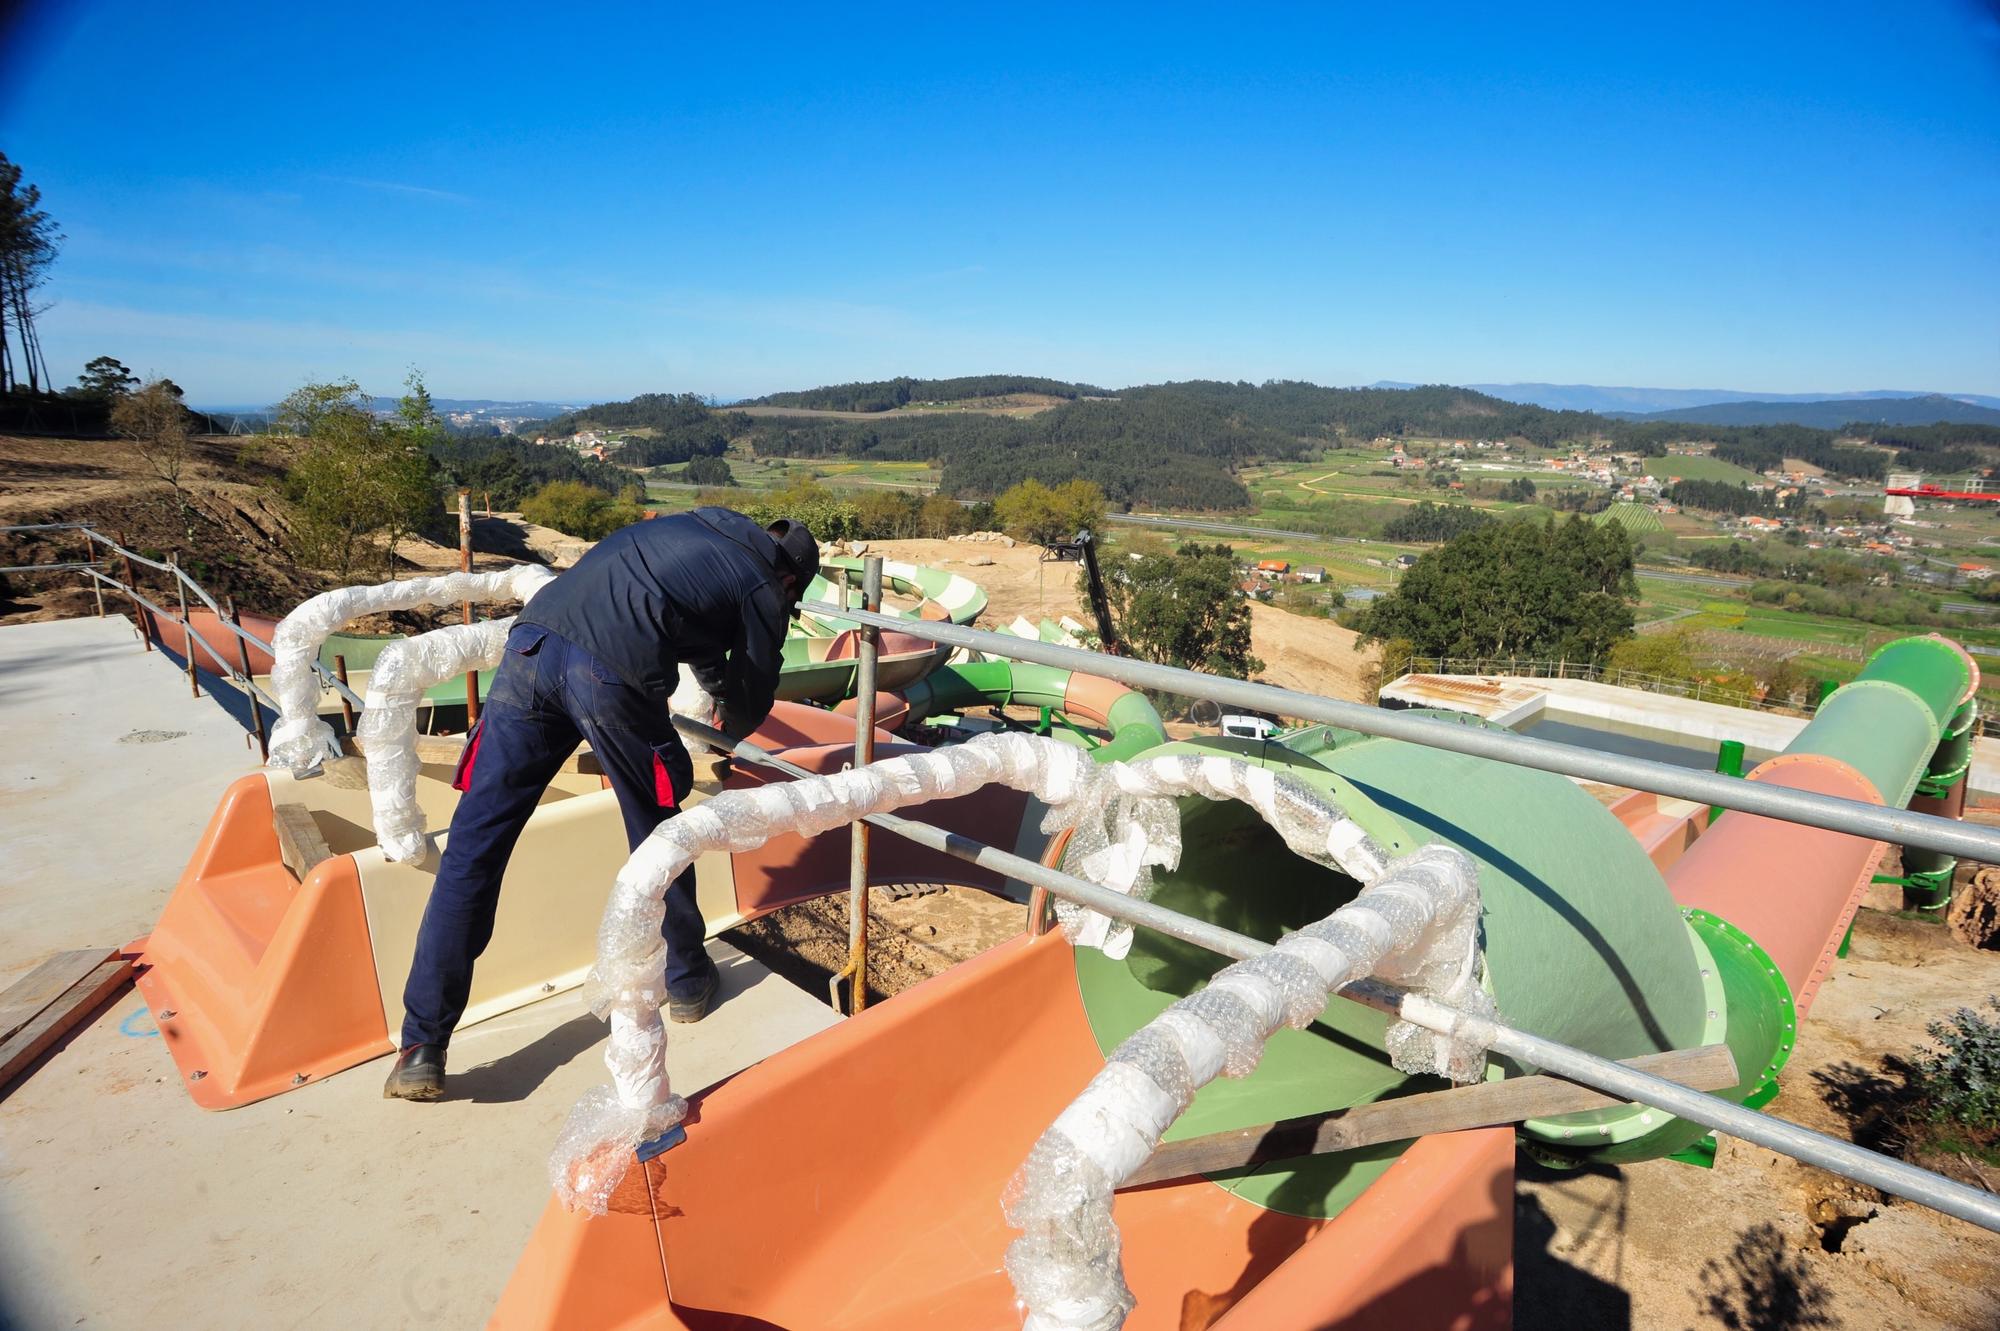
x=889, y=394
x=1180, y=445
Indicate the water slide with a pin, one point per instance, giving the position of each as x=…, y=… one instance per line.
x=854, y=1180
x=282, y=952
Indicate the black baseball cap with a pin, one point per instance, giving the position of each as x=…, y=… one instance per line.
x=798, y=552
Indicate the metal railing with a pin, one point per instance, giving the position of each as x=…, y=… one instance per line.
x=1898, y=827
x=237, y=673
x=1627, y=1083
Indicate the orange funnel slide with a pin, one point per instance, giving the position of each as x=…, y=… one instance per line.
x=854, y=1182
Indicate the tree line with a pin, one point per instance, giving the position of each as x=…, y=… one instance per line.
x=888, y=394
x=1426, y=521
x=1535, y=589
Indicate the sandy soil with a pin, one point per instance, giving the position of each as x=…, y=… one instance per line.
x=1760, y=1240
x=1312, y=655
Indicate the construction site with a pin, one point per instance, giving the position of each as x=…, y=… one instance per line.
x=1034, y=1010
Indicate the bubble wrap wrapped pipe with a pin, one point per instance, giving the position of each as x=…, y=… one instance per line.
x=388, y=726
x=299, y=739
x=1122, y=822
x=1415, y=922
x=627, y=984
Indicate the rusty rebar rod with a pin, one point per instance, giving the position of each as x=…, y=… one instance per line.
x=346, y=707
x=139, y=620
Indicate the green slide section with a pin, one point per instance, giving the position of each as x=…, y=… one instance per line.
x=1583, y=942
x=961, y=599
x=1133, y=723
x=359, y=650
x=1888, y=722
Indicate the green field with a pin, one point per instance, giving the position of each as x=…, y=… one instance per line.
x=1636, y=519
x=1699, y=468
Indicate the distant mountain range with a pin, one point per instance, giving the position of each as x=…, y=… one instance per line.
x=477, y=406
x=1830, y=414
x=1646, y=402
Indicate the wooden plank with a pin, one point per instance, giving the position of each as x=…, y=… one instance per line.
x=1485, y=1105
x=432, y=750
x=300, y=844
x=24, y=999
x=59, y=1017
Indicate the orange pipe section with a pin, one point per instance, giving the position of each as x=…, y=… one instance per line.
x=1792, y=888
x=210, y=630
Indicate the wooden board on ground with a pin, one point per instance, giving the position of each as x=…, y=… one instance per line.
x=43, y=1005
x=1485, y=1105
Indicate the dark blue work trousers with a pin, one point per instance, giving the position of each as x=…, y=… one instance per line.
x=548, y=695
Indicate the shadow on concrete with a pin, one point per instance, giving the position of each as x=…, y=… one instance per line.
x=514, y=1077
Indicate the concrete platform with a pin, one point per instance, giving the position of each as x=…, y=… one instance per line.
x=108, y=774
x=121, y=1203
x=1659, y=726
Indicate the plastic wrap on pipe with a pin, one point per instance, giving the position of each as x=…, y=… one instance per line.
x=1415, y=921
x=299, y=739
x=1123, y=823
x=690, y=699
x=388, y=725
x=627, y=984
x=1118, y=841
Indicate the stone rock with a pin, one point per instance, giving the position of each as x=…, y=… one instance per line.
x=980, y=561
x=1974, y=916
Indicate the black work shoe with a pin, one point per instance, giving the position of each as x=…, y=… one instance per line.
x=695, y=1006
x=418, y=1074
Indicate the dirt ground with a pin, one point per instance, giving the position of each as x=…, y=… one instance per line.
x=1313, y=655
x=232, y=537
x=236, y=546
x=1761, y=1241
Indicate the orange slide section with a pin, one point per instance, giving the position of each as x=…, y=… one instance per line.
x=853, y=1182
x=260, y=982
x=273, y=982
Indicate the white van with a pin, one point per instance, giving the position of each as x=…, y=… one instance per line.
x=1248, y=727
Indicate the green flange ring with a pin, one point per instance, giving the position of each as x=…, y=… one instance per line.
x=1750, y=1009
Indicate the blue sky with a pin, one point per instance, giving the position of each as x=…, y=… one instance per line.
x=527, y=202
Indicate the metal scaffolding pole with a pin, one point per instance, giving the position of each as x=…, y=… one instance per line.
x=1896, y=826
x=856, y=970
x=1828, y=1153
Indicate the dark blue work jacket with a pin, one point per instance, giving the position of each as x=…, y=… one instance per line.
x=701, y=587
